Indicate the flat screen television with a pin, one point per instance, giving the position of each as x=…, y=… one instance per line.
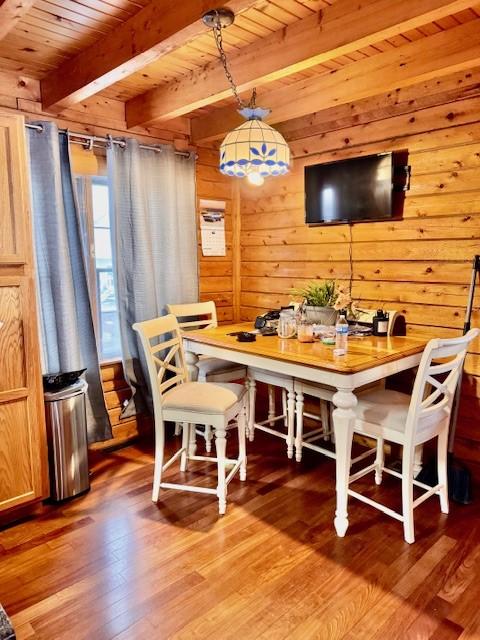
x=354, y=190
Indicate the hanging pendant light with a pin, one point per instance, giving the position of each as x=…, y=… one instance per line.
x=254, y=150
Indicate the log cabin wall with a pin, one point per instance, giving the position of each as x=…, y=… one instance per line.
x=97, y=116
x=218, y=276
x=420, y=265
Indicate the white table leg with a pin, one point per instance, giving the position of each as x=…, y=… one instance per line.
x=191, y=360
x=418, y=460
x=343, y=423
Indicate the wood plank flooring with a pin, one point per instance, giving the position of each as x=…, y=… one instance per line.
x=114, y=565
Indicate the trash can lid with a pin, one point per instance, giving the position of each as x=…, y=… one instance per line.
x=60, y=379
x=74, y=389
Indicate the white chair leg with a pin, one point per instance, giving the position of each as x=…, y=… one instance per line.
x=407, y=496
x=192, y=442
x=284, y=408
x=291, y=422
x=242, y=448
x=252, y=395
x=178, y=428
x=185, y=445
x=208, y=438
x=379, y=461
x=158, y=470
x=324, y=417
x=271, y=403
x=221, y=445
x=442, y=454
x=299, y=435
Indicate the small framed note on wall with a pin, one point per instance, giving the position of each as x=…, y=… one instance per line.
x=212, y=227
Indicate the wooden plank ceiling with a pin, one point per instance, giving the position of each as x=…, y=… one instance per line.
x=45, y=35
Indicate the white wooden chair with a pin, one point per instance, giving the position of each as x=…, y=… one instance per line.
x=411, y=421
x=286, y=418
x=203, y=315
x=273, y=381
x=310, y=439
x=178, y=400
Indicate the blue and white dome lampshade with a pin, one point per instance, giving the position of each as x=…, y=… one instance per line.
x=254, y=150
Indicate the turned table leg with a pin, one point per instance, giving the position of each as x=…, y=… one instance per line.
x=343, y=423
x=191, y=360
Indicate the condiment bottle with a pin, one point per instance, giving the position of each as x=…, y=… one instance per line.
x=380, y=323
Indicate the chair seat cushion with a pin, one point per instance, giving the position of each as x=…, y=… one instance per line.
x=204, y=397
x=383, y=407
x=216, y=365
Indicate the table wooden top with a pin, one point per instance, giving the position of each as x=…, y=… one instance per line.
x=363, y=353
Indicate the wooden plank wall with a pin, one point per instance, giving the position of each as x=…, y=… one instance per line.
x=97, y=116
x=216, y=274
x=420, y=265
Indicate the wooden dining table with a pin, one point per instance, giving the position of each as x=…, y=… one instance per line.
x=368, y=359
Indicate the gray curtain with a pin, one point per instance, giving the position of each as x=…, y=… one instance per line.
x=68, y=335
x=155, y=243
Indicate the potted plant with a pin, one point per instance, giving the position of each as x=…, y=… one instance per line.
x=322, y=301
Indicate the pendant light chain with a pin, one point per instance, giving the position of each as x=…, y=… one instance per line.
x=254, y=150
x=217, y=33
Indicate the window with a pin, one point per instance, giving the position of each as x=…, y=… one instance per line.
x=93, y=198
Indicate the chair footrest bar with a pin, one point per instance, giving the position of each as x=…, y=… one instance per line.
x=362, y=456
x=361, y=473
x=312, y=416
x=315, y=447
x=426, y=495
x=272, y=432
x=426, y=487
x=377, y=505
x=233, y=471
x=421, y=485
x=391, y=472
x=212, y=459
x=175, y=456
x=275, y=419
x=315, y=438
x=186, y=487
x=315, y=433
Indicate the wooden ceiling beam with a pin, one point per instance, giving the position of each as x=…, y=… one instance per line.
x=436, y=56
x=334, y=31
x=155, y=30
x=11, y=11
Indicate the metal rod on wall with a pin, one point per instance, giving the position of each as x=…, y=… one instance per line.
x=98, y=141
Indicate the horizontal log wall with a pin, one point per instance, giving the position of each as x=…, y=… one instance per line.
x=420, y=265
x=216, y=280
x=96, y=116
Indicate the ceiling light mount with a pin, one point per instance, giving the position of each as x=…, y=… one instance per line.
x=218, y=18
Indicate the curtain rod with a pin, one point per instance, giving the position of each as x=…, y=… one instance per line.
x=91, y=141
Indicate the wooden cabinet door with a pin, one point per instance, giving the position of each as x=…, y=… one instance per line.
x=14, y=197
x=23, y=469
x=21, y=445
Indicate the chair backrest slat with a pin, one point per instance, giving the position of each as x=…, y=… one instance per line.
x=197, y=315
x=435, y=384
x=164, y=356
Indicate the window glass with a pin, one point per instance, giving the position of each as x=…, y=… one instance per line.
x=108, y=325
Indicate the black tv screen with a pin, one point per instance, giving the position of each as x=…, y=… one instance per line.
x=354, y=190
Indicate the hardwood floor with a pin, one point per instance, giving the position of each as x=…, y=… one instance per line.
x=114, y=565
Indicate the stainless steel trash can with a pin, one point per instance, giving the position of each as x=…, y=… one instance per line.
x=67, y=440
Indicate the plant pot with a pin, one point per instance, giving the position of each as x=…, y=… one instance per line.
x=321, y=315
